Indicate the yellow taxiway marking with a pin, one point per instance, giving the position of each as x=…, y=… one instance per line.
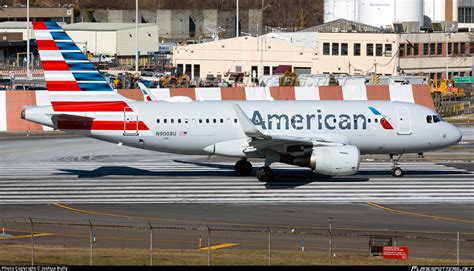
x=25, y=236
x=216, y=247
x=418, y=214
x=72, y=209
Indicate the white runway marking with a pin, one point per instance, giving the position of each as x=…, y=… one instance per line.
x=203, y=182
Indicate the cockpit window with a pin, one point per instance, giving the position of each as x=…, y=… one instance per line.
x=429, y=119
x=436, y=119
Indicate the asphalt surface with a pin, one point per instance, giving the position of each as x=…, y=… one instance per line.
x=73, y=180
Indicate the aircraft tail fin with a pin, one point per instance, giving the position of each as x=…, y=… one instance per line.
x=69, y=75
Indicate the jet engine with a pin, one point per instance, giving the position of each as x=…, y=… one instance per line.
x=329, y=160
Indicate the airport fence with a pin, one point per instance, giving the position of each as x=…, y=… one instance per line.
x=25, y=241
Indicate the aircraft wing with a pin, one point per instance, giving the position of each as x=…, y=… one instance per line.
x=282, y=143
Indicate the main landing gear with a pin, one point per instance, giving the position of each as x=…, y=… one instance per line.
x=396, y=169
x=265, y=174
x=244, y=168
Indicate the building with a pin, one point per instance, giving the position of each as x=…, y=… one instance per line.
x=254, y=56
x=185, y=24
x=111, y=39
x=114, y=38
x=384, y=12
x=340, y=47
x=54, y=14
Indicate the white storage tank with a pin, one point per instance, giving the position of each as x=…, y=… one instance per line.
x=383, y=13
x=434, y=9
x=409, y=11
x=340, y=9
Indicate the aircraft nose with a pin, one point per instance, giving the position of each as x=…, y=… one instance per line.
x=454, y=135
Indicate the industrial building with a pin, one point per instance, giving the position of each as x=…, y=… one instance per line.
x=382, y=13
x=183, y=24
x=111, y=39
x=63, y=14
x=330, y=48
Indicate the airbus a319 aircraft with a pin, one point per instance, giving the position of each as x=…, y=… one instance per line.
x=326, y=136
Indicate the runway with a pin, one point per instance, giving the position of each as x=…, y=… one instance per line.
x=57, y=180
x=77, y=170
x=199, y=182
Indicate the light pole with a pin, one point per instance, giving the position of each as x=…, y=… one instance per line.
x=237, y=21
x=448, y=37
x=136, y=36
x=28, y=37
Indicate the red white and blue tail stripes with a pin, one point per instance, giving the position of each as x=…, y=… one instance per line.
x=76, y=88
x=66, y=68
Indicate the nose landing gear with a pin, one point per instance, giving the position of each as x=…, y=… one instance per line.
x=397, y=171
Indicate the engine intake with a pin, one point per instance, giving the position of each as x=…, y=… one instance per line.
x=329, y=160
x=336, y=160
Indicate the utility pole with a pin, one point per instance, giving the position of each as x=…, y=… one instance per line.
x=237, y=30
x=28, y=37
x=448, y=36
x=136, y=36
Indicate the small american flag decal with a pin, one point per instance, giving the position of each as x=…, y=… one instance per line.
x=183, y=133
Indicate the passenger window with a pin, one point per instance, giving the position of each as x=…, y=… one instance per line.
x=235, y=120
x=369, y=120
x=376, y=120
x=207, y=120
x=165, y=121
x=158, y=121
x=436, y=119
x=186, y=121
x=429, y=119
x=179, y=120
x=222, y=120
x=215, y=121
x=200, y=120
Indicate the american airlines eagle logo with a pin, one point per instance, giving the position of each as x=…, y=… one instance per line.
x=383, y=121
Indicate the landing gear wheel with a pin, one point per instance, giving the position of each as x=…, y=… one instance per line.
x=397, y=172
x=265, y=174
x=243, y=168
x=396, y=169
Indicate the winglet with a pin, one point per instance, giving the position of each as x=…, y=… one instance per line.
x=247, y=126
x=147, y=95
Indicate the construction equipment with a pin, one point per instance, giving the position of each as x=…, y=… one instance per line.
x=289, y=79
x=176, y=79
x=446, y=88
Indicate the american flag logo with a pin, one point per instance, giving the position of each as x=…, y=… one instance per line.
x=183, y=133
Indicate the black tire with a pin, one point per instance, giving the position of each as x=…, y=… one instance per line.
x=397, y=172
x=265, y=174
x=243, y=168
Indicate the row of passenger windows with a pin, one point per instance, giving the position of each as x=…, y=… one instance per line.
x=186, y=121
x=179, y=121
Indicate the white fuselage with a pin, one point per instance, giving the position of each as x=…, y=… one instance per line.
x=207, y=128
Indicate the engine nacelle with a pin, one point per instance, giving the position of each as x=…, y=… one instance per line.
x=335, y=160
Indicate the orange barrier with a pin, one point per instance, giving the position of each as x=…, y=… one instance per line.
x=12, y=102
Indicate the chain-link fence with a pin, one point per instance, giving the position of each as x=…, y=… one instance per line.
x=25, y=241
